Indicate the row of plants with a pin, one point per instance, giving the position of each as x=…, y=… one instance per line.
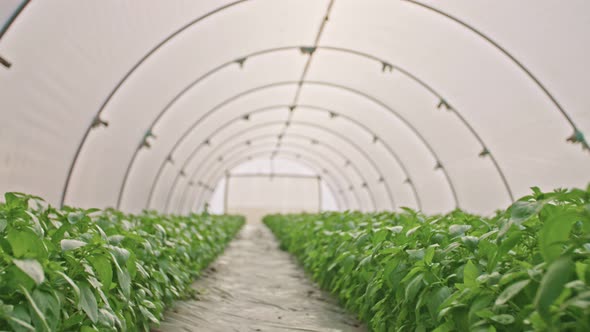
x=525, y=269
x=90, y=270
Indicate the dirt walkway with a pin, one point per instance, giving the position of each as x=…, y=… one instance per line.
x=254, y=286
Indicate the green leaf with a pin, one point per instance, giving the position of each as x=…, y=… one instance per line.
x=581, y=269
x=88, y=301
x=26, y=244
x=414, y=287
x=104, y=270
x=19, y=319
x=120, y=254
x=503, y=319
x=75, y=217
x=470, y=274
x=470, y=242
x=71, y=282
x=71, y=244
x=446, y=327
x=511, y=291
x=458, y=230
x=32, y=268
x=49, y=306
x=552, y=284
x=16, y=200
x=521, y=211
x=429, y=254
x=39, y=317
x=416, y=254
x=509, y=242
x=436, y=299
x=555, y=232
x=124, y=279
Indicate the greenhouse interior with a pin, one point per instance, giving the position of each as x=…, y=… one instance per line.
x=295, y=165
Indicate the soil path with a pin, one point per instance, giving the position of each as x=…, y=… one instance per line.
x=254, y=286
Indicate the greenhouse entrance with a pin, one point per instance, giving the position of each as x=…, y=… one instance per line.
x=254, y=286
x=268, y=185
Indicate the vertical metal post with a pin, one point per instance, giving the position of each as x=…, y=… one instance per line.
x=225, y=190
x=320, y=202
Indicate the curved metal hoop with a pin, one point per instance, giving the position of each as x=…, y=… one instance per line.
x=339, y=49
x=283, y=155
x=298, y=136
x=336, y=49
x=195, y=21
x=299, y=108
x=335, y=188
x=304, y=153
x=196, y=171
x=374, y=100
x=336, y=191
x=506, y=53
x=322, y=128
x=124, y=79
x=160, y=171
x=256, y=138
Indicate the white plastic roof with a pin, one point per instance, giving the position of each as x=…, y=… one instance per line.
x=427, y=104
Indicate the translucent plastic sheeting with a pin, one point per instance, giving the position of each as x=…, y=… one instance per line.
x=301, y=136
x=86, y=48
x=255, y=196
x=291, y=148
x=285, y=164
x=267, y=166
x=211, y=93
x=505, y=81
x=296, y=140
x=8, y=8
x=216, y=202
x=341, y=178
x=241, y=128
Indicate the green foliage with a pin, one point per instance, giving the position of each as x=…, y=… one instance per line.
x=92, y=270
x=525, y=269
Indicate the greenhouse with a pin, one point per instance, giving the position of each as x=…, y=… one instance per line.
x=294, y=165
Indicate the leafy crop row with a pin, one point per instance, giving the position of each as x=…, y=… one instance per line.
x=525, y=269
x=90, y=270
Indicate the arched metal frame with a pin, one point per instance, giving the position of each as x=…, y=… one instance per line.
x=297, y=152
x=337, y=192
x=337, y=49
x=211, y=158
x=220, y=9
x=4, y=28
x=239, y=134
x=302, y=151
x=271, y=177
x=219, y=129
x=506, y=53
x=352, y=91
x=268, y=124
x=265, y=109
x=237, y=145
x=320, y=162
x=286, y=156
x=252, y=139
x=335, y=170
x=216, y=175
